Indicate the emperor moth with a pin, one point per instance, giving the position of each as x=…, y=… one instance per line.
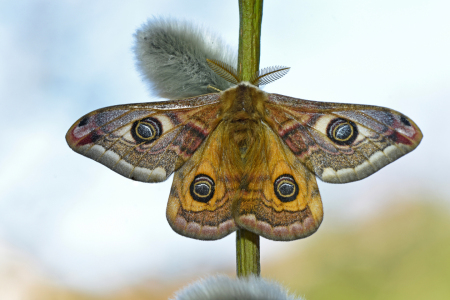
x=244, y=158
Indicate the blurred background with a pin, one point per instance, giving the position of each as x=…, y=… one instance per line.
x=72, y=229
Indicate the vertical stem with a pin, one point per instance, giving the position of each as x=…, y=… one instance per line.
x=247, y=253
x=250, y=16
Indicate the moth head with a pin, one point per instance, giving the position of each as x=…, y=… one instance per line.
x=262, y=77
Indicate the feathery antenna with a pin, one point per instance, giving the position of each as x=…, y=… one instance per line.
x=263, y=77
x=225, y=71
x=268, y=75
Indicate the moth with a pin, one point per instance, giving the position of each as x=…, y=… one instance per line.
x=244, y=158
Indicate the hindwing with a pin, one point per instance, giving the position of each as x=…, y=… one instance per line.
x=279, y=198
x=272, y=195
x=203, y=191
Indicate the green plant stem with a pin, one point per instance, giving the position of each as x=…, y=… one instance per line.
x=250, y=17
x=247, y=253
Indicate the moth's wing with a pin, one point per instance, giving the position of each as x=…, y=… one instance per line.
x=341, y=142
x=203, y=189
x=148, y=141
x=279, y=198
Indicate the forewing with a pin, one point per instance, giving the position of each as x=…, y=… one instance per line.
x=341, y=142
x=148, y=141
x=279, y=198
x=203, y=189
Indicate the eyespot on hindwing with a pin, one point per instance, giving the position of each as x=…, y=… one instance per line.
x=202, y=188
x=285, y=188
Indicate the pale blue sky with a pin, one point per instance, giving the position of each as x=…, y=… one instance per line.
x=92, y=228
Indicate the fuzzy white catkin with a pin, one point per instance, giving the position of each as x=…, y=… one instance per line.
x=171, y=55
x=223, y=288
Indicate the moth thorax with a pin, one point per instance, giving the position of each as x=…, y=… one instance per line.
x=243, y=102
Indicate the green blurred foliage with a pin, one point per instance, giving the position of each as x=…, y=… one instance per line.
x=402, y=253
